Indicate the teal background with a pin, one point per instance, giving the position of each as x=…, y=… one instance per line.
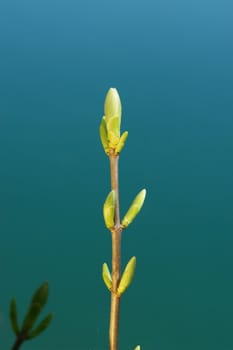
x=172, y=62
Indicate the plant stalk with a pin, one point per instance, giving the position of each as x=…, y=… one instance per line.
x=18, y=342
x=116, y=256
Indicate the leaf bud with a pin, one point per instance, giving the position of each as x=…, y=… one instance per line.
x=134, y=208
x=127, y=276
x=104, y=135
x=112, y=112
x=121, y=142
x=109, y=209
x=112, y=104
x=107, y=276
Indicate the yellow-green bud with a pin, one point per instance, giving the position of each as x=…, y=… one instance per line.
x=138, y=347
x=112, y=104
x=103, y=135
x=134, y=208
x=122, y=141
x=113, y=131
x=112, y=111
x=107, y=276
x=109, y=209
x=127, y=276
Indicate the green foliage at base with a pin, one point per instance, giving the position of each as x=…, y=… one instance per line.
x=37, y=303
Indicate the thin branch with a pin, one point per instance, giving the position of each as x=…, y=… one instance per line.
x=116, y=256
x=19, y=340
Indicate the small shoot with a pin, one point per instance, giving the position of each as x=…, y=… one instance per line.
x=127, y=276
x=109, y=209
x=107, y=276
x=25, y=332
x=134, y=209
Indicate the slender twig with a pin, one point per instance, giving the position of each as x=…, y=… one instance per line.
x=113, y=143
x=19, y=341
x=116, y=256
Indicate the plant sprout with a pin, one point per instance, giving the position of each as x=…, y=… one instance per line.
x=26, y=330
x=113, y=143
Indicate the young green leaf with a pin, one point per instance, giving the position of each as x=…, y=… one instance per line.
x=113, y=131
x=122, y=141
x=31, y=316
x=127, y=276
x=103, y=135
x=134, y=208
x=41, y=295
x=107, y=276
x=14, y=317
x=43, y=325
x=109, y=209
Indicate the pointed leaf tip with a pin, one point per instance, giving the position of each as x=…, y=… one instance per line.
x=41, y=294
x=127, y=276
x=134, y=208
x=109, y=209
x=107, y=276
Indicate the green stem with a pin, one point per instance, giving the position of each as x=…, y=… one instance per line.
x=116, y=256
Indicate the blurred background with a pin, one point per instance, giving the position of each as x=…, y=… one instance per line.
x=172, y=63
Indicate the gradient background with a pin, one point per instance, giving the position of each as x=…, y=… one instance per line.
x=172, y=62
